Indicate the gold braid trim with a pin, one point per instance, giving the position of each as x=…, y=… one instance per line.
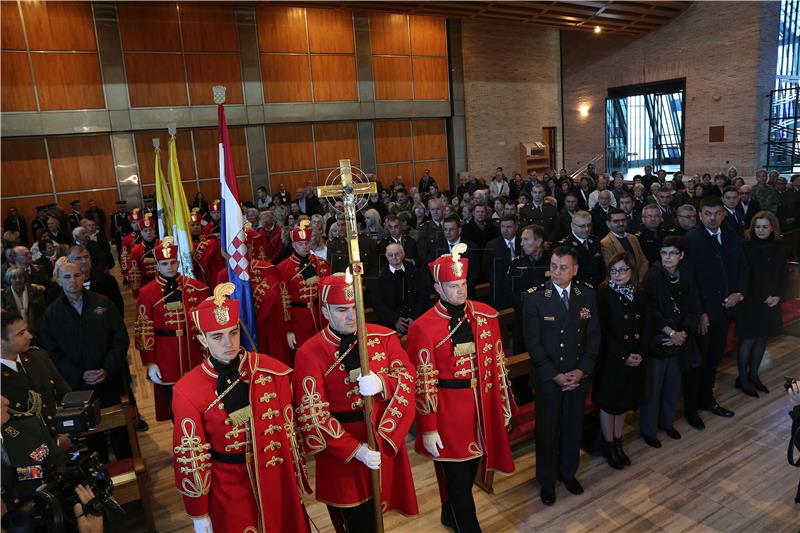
x=394, y=411
x=427, y=397
x=194, y=454
x=505, y=392
x=143, y=332
x=315, y=418
x=285, y=301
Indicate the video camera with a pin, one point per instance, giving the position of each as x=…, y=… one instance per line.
x=50, y=507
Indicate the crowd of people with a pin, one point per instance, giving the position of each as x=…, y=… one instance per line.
x=624, y=289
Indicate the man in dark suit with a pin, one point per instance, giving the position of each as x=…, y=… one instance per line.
x=590, y=257
x=97, y=279
x=715, y=258
x=633, y=219
x=430, y=234
x=528, y=269
x=395, y=294
x=39, y=222
x=565, y=217
x=23, y=297
x=541, y=214
x=394, y=228
x=480, y=230
x=562, y=334
x=600, y=214
x=426, y=181
x=339, y=255
x=74, y=218
x=663, y=201
x=748, y=206
x=99, y=216
x=651, y=233
x=55, y=232
x=16, y=222
x=452, y=233
x=734, y=216
x=497, y=258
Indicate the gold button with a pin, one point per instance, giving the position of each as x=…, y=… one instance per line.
x=625, y=317
x=636, y=336
x=562, y=331
x=562, y=344
x=560, y=358
x=625, y=337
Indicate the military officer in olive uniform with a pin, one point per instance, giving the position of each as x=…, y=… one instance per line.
x=33, y=388
x=562, y=334
x=590, y=256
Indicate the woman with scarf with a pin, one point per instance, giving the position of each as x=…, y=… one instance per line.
x=619, y=374
x=760, y=313
x=674, y=302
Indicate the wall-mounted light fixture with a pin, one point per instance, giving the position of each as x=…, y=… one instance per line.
x=598, y=29
x=583, y=109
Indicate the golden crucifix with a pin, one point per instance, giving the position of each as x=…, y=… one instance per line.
x=349, y=192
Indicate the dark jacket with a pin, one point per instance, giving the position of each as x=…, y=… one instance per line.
x=717, y=270
x=480, y=237
x=496, y=262
x=17, y=223
x=95, y=339
x=339, y=256
x=768, y=276
x=590, y=258
x=40, y=376
x=388, y=307
x=547, y=217
x=599, y=222
x=37, y=304
x=409, y=247
x=558, y=340
x=105, y=284
x=675, y=305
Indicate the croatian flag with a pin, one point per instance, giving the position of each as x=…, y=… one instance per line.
x=233, y=235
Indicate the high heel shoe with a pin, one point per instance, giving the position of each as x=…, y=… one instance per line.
x=748, y=388
x=621, y=452
x=759, y=386
x=610, y=452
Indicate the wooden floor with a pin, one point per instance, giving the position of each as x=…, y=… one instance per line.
x=733, y=476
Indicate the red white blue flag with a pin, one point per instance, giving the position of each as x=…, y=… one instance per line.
x=233, y=234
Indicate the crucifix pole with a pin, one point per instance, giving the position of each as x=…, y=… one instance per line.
x=349, y=193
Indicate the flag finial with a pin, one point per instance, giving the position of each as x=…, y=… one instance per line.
x=156, y=143
x=172, y=128
x=219, y=94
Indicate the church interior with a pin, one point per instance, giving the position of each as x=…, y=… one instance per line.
x=460, y=91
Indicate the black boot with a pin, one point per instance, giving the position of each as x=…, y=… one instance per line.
x=618, y=445
x=611, y=454
x=447, y=518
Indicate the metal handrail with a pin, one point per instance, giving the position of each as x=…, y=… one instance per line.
x=583, y=168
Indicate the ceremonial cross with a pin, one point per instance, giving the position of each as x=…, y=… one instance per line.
x=349, y=192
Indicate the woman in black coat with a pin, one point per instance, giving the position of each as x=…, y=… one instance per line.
x=759, y=314
x=674, y=302
x=619, y=372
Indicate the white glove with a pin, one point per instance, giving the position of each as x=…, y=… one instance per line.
x=370, y=385
x=370, y=458
x=154, y=373
x=202, y=525
x=292, y=340
x=432, y=442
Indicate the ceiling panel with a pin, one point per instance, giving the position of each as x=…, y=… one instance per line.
x=624, y=18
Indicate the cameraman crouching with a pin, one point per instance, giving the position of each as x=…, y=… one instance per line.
x=32, y=389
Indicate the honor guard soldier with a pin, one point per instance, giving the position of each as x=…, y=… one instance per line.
x=463, y=399
x=142, y=266
x=33, y=388
x=128, y=242
x=562, y=334
x=164, y=336
x=587, y=248
x=329, y=390
x=299, y=274
x=237, y=460
x=207, y=252
x=266, y=290
x=212, y=218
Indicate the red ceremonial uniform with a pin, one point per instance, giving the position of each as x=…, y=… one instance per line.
x=263, y=491
x=471, y=421
x=237, y=460
x=163, y=333
x=142, y=269
x=255, y=245
x=300, y=296
x=273, y=241
x=208, y=259
x=265, y=284
x=325, y=392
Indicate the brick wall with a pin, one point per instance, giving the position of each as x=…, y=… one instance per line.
x=511, y=90
x=725, y=50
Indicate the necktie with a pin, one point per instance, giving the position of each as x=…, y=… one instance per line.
x=511, y=248
x=718, y=237
x=565, y=299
